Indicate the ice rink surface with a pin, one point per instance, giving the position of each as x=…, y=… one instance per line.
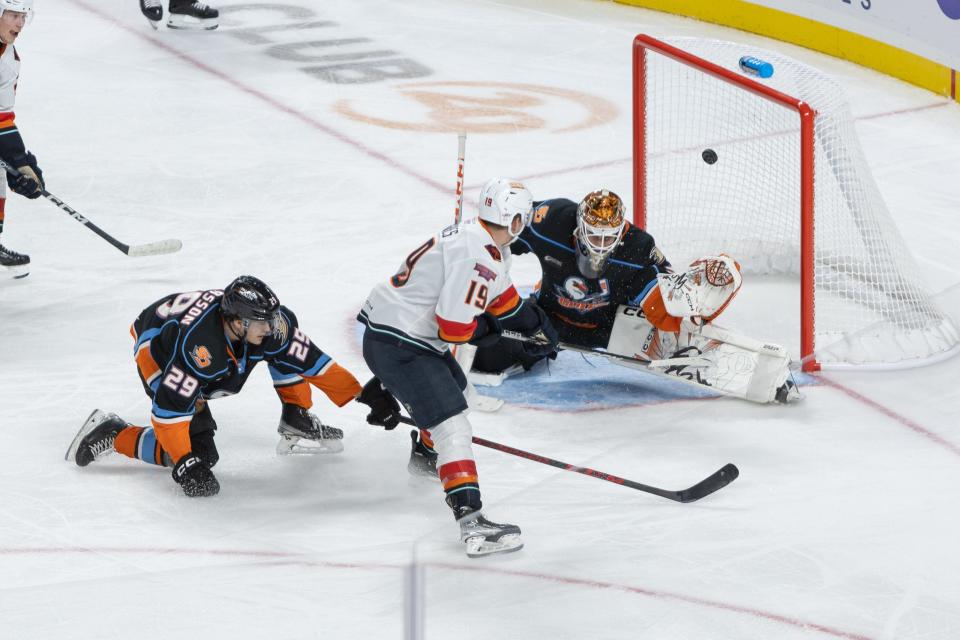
x=265, y=160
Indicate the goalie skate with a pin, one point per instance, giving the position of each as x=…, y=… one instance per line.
x=483, y=537
x=301, y=432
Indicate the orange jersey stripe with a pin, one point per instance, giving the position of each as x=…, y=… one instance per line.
x=149, y=368
x=338, y=383
x=457, y=332
x=505, y=302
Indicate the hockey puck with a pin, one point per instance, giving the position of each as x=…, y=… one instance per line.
x=709, y=156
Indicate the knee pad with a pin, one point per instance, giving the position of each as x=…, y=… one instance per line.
x=453, y=439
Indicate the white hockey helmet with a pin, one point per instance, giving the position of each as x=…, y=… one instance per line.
x=20, y=6
x=17, y=6
x=600, y=224
x=502, y=200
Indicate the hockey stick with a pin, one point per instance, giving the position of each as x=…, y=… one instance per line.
x=461, y=156
x=135, y=251
x=716, y=481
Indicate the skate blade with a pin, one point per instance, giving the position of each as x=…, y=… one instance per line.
x=479, y=546
x=92, y=420
x=192, y=24
x=18, y=271
x=301, y=446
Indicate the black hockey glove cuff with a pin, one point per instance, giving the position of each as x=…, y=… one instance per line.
x=384, y=408
x=29, y=182
x=195, y=477
x=11, y=146
x=539, y=327
x=487, y=331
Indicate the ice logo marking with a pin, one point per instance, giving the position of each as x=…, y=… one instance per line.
x=950, y=8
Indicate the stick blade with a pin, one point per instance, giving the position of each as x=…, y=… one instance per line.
x=721, y=478
x=154, y=248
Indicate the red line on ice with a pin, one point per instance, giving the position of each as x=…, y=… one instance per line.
x=281, y=557
x=893, y=415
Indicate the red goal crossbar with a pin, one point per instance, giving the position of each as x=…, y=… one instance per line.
x=643, y=44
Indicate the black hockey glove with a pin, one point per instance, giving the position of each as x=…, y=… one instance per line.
x=205, y=448
x=30, y=181
x=384, y=408
x=487, y=332
x=195, y=477
x=546, y=336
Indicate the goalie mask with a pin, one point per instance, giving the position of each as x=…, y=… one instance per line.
x=250, y=299
x=600, y=224
x=502, y=200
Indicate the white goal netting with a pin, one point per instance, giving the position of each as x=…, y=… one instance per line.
x=870, y=305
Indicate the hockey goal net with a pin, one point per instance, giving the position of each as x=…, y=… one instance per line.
x=771, y=172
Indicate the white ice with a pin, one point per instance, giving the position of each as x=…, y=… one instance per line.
x=843, y=524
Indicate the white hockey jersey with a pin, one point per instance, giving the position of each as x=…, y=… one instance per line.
x=441, y=287
x=9, y=75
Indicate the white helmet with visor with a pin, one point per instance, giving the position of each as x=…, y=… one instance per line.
x=502, y=200
x=17, y=6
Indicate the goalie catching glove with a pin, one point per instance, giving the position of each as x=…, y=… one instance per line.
x=703, y=291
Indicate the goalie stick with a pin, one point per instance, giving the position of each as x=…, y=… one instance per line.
x=134, y=251
x=714, y=482
x=692, y=361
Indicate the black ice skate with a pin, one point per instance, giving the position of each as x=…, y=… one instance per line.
x=483, y=537
x=191, y=14
x=16, y=265
x=302, y=432
x=152, y=10
x=95, y=438
x=423, y=460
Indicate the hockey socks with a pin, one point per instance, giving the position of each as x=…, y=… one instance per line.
x=141, y=444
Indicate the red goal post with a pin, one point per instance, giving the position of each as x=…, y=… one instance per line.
x=771, y=170
x=642, y=46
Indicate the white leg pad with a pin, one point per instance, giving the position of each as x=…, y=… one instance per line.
x=453, y=440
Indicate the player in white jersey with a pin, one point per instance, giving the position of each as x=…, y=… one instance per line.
x=453, y=289
x=14, y=15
